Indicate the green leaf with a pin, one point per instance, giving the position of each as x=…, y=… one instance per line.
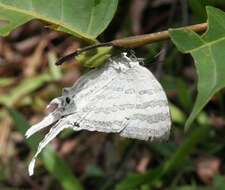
x=93, y=171
x=193, y=187
x=24, y=87
x=198, y=8
x=184, y=96
x=176, y=114
x=6, y=81
x=52, y=162
x=54, y=70
x=218, y=181
x=94, y=57
x=82, y=18
x=208, y=53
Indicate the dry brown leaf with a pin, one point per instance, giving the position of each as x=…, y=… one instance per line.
x=143, y=164
x=67, y=147
x=206, y=167
x=4, y=134
x=216, y=121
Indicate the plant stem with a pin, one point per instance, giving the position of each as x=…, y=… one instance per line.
x=133, y=41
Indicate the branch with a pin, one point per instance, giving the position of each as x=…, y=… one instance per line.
x=133, y=41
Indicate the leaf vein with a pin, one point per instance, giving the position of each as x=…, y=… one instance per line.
x=91, y=20
x=208, y=44
x=214, y=68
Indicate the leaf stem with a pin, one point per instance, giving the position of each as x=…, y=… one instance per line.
x=133, y=41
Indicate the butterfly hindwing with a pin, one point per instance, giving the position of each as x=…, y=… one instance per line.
x=151, y=117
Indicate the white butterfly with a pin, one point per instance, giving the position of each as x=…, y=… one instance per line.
x=120, y=96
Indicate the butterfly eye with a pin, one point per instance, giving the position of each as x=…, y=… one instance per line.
x=67, y=100
x=76, y=124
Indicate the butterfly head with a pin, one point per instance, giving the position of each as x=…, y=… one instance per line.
x=62, y=105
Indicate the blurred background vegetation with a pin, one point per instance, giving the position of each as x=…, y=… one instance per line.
x=89, y=160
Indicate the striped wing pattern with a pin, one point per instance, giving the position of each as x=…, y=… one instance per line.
x=118, y=97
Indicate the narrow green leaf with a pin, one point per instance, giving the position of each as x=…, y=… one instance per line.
x=198, y=8
x=93, y=171
x=208, y=53
x=82, y=18
x=54, y=70
x=218, y=182
x=184, y=149
x=52, y=162
x=192, y=187
x=176, y=114
x=6, y=81
x=26, y=86
x=165, y=149
x=134, y=180
x=184, y=95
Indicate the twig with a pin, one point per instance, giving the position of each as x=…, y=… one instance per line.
x=140, y=40
x=133, y=41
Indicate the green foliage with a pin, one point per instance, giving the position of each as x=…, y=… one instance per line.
x=6, y=81
x=87, y=19
x=218, y=182
x=29, y=85
x=177, y=115
x=24, y=87
x=52, y=162
x=54, y=70
x=208, y=53
x=173, y=163
x=198, y=7
x=82, y=18
x=183, y=95
x=93, y=171
x=94, y=57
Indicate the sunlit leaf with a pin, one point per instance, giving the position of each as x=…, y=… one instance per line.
x=54, y=70
x=208, y=53
x=82, y=18
x=94, y=57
